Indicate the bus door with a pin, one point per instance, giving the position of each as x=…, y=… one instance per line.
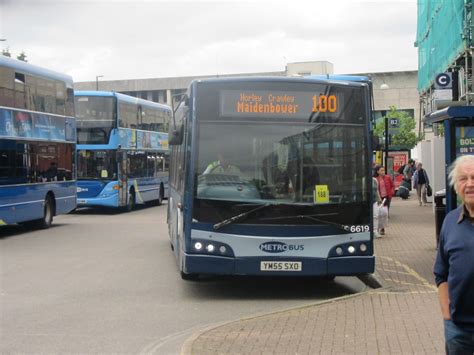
x=122, y=177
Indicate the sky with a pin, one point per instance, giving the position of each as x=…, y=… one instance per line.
x=137, y=39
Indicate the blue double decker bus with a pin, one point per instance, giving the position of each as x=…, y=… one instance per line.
x=271, y=176
x=122, y=150
x=37, y=144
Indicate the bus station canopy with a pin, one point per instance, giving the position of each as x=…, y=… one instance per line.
x=450, y=113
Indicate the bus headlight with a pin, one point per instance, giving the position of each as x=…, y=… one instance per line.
x=198, y=246
x=211, y=247
x=339, y=251
x=351, y=249
x=363, y=248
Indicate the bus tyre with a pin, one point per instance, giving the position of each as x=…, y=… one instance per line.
x=48, y=213
x=131, y=201
x=189, y=277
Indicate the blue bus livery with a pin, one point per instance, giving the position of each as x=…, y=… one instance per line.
x=37, y=144
x=122, y=150
x=271, y=176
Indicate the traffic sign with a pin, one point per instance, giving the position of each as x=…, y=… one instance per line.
x=443, y=81
x=393, y=122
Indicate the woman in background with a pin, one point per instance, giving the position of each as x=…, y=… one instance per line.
x=386, y=189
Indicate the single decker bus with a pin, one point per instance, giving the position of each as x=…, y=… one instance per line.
x=122, y=150
x=272, y=176
x=37, y=144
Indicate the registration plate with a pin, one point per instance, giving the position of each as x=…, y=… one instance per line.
x=281, y=266
x=81, y=202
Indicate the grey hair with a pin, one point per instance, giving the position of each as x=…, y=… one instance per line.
x=455, y=167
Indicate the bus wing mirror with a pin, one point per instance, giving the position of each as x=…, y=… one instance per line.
x=176, y=129
x=175, y=135
x=375, y=142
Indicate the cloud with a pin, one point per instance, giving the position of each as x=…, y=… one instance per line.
x=140, y=39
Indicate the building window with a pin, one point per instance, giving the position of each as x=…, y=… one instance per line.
x=155, y=96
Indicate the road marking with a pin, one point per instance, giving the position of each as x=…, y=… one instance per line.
x=411, y=272
x=397, y=271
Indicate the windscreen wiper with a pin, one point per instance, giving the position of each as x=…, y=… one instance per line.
x=240, y=216
x=314, y=218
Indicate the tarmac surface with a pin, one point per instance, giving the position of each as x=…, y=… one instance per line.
x=402, y=317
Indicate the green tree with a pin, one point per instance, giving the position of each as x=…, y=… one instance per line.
x=439, y=129
x=405, y=137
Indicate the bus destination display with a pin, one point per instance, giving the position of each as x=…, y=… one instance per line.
x=278, y=104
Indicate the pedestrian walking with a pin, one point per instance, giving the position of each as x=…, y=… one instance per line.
x=408, y=171
x=421, y=183
x=376, y=204
x=386, y=190
x=454, y=266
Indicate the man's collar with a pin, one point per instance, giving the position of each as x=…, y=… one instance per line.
x=464, y=214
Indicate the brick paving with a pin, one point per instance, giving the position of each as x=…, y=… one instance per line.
x=403, y=317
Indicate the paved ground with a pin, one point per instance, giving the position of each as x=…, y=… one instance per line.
x=402, y=317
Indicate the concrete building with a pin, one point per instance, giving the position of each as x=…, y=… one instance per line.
x=397, y=89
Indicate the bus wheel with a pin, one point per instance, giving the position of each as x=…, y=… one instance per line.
x=189, y=277
x=131, y=201
x=48, y=213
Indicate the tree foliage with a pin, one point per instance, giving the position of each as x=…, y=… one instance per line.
x=405, y=137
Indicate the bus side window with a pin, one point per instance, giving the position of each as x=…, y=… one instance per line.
x=20, y=88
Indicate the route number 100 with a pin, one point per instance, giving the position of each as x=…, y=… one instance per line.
x=324, y=103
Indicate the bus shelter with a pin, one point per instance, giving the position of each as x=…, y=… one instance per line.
x=458, y=122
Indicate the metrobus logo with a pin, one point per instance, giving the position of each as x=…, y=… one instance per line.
x=280, y=247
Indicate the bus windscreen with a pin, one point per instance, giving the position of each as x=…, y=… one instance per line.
x=95, y=119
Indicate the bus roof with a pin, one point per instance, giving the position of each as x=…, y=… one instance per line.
x=323, y=79
x=123, y=98
x=337, y=77
x=28, y=68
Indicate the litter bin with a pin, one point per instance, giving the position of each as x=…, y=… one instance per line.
x=440, y=211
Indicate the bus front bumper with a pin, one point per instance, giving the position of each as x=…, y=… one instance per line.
x=218, y=265
x=109, y=201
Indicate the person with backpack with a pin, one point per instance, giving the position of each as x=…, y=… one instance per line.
x=420, y=183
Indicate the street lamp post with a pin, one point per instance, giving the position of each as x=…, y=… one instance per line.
x=97, y=82
x=384, y=113
x=385, y=86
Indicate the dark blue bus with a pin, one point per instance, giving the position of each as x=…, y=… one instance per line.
x=122, y=150
x=272, y=176
x=37, y=144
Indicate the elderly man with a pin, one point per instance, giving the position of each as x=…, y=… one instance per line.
x=454, y=266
